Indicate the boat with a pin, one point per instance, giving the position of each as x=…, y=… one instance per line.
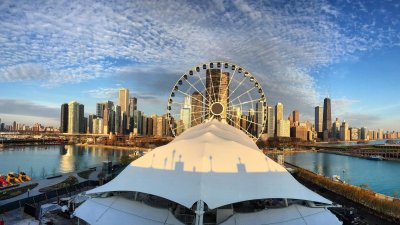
x=12, y=178
x=375, y=157
x=337, y=178
x=3, y=181
x=24, y=177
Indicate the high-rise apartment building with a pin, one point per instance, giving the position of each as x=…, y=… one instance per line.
x=318, y=119
x=235, y=117
x=260, y=116
x=327, y=117
x=137, y=121
x=296, y=117
x=73, y=117
x=185, y=113
x=364, y=133
x=217, y=90
x=117, y=119
x=270, y=122
x=82, y=120
x=279, y=116
x=64, y=118
x=344, y=132
x=283, y=128
x=132, y=108
x=123, y=100
x=252, y=128
x=90, y=123
x=197, y=108
x=380, y=134
x=336, y=129
x=353, y=134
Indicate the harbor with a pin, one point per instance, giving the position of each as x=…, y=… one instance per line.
x=380, y=176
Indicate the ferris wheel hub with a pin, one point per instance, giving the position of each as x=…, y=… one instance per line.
x=217, y=108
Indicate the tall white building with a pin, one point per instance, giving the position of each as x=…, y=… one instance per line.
x=73, y=117
x=186, y=113
x=278, y=114
x=98, y=126
x=344, y=132
x=283, y=128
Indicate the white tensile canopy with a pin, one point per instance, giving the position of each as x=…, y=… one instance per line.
x=292, y=215
x=121, y=211
x=212, y=162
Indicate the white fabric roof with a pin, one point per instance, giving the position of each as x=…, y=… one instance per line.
x=292, y=215
x=121, y=211
x=213, y=162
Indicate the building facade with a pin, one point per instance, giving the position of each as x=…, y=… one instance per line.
x=64, y=118
x=73, y=117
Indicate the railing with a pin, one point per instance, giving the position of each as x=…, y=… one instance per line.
x=48, y=196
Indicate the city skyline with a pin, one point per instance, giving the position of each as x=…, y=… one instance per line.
x=313, y=51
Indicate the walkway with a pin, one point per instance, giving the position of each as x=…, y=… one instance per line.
x=48, y=182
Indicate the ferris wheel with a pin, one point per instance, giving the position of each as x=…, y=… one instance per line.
x=217, y=90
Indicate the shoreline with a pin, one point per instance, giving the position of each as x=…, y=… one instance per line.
x=113, y=147
x=377, y=215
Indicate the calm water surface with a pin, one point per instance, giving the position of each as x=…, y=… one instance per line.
x=380, y=176
x=49, y=160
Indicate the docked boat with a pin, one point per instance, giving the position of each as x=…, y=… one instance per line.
x=375, y=157
x=14, y=178
x=3, y=181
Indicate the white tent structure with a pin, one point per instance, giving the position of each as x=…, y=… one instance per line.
x=212, y=163
x=121, y=211
x=292, y=215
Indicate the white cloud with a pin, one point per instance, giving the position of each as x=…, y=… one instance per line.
x=74, y=41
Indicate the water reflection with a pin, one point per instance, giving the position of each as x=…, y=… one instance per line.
x=39, y=161
x=381, y=176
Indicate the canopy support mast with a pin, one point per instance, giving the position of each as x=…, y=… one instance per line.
x=199, y=212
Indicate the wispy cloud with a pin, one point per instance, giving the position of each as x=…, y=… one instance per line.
x=153, y=42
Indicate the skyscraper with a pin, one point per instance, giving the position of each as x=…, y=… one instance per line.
x=318, y=118
x=296, y=117
x=344, y=132
x=260, y=114
x=252, y=128
x=64, y=118
x=236, y=116
x=364, y=133
x=185, y=113
x=82, y=124
x=278, y=115
x=132, y=108
x=124, y=103
x=336, y=129
x=117, y=118
x=217, y=90
x=283, y=128
x=270, y=121
x=327, y=119
x=197, y=108
x=90, y=123
x=73, y=117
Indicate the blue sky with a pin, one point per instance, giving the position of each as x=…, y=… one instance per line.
x=53, y=52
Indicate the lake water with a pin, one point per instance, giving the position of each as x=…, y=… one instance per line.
x=49, y=160
x=380, y=176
